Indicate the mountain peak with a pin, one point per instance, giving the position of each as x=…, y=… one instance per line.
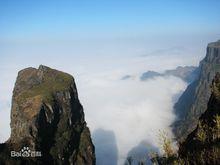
x=43, y=68
x=43, y=82
x=47, y=116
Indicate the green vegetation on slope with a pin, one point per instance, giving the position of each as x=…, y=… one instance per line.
x=51, y=81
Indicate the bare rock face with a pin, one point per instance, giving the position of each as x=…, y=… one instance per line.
x=47, y=117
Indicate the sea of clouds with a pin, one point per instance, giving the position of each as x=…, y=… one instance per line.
x=129, y=111
x=133, y=110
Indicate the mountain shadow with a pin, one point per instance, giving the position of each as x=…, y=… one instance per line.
x=140, y=154
x=106, y=147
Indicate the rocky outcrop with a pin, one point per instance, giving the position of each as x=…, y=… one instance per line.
x=202, y=146
x=194, y=100
x=47, y=120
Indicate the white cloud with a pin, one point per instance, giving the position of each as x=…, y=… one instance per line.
x=132, y=109
x=5, y=121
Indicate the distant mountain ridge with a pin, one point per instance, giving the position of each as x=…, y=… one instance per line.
x=186, y=73
x=149, y=75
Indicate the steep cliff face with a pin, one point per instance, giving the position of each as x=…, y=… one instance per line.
x=47, y=116
x=193, y=101
x=202, y=146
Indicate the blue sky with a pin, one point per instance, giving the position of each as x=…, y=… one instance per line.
x=105, y=27
x=83, y=18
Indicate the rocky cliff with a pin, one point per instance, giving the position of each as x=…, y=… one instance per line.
x=47, y=121
x=193, y=101
x=202, y=146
